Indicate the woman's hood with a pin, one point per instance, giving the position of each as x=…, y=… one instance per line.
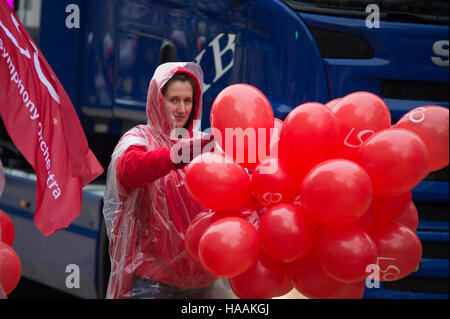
x=156, y=115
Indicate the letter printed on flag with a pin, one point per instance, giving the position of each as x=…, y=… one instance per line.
x=44, y=126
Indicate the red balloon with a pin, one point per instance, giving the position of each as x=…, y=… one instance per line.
x=253, y=204
x=308, y=137
x=204, y=219
x=286, y=232
x=409, y=217
x=366, y=218
x=331, y=104
x=352, y=291
x=299, y=203
x=10, y=268
x=261, y=281
x=271, y=184
x=395, y=159
x=238, y=111
x=285, y=287
x=229, y=247
x=196, y=229
x=358, y=116
x=311, y=280
x=387, y=208
x=216, y=182
x=345, y=252
x=430, y=123
x=336, y=192
x=7, y=232
x=399, y=250
x=275, y=138
x=277, y=123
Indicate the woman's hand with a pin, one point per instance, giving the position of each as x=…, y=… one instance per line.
x=183, y=152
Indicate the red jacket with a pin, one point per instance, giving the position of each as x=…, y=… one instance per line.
x=138, y=167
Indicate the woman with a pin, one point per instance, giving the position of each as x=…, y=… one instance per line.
x=147, y=207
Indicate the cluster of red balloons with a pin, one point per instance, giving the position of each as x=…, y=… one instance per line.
x=326, y=206
x=10, y=265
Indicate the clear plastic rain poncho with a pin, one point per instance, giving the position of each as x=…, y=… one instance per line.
x=146, y=226
x=2, y=187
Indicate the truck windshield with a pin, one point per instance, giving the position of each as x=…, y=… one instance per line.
x=418, y=11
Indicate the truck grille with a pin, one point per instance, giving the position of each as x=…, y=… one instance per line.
x=434, y=250
x=415, y=90
x=432, y=211
x=338, y=45
x=419, y=284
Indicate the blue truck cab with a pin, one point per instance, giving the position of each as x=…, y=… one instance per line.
x=293, y=51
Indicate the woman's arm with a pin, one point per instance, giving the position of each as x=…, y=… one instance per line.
x=138, y=167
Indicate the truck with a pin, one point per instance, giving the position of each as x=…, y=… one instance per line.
x=104, y=52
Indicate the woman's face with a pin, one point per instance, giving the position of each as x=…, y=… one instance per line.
x=178, y=102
